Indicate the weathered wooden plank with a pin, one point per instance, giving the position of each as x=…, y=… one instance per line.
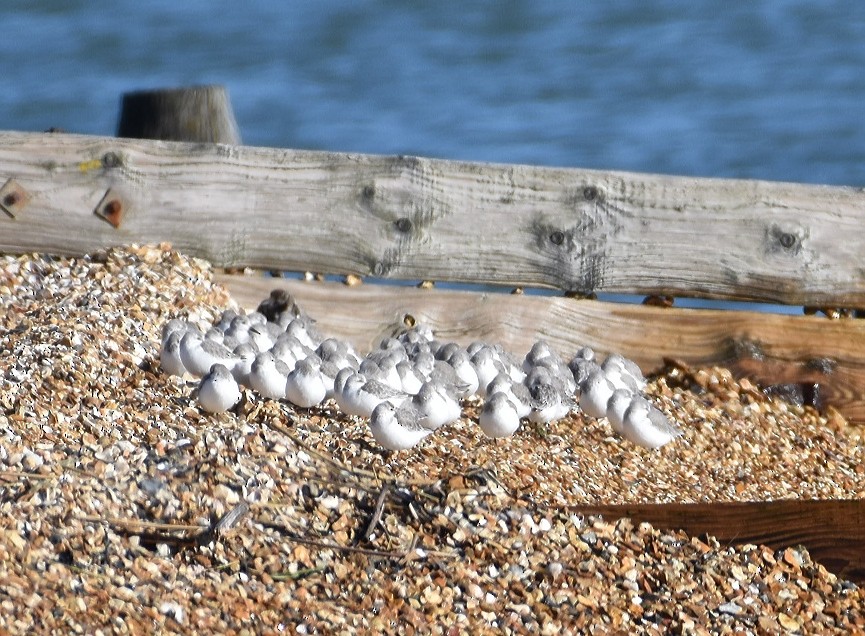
x=832, y=530
x=768, y=348
x=414, y=218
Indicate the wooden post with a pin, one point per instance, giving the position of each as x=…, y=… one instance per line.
x=198, y=113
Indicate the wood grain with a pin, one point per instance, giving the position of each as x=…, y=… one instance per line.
x=414, y=218
x=768, y=348
x=832, y=530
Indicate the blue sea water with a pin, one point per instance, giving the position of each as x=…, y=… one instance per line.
x=770, y=89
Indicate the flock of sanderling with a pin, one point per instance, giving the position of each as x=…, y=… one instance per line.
x=412, y=384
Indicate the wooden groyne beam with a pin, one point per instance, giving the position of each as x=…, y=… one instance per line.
x=403, y=217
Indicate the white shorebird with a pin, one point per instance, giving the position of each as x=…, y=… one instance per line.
x=199, y=354
x=581, y=368
x=396, y=428
x=435, y=405
x=339, y=352
x=618, y=403
x=175, y=324
x=499, y=417
x=647, y=426
x=218, y=390
x=225, y=319
x=517, y=393
x=595, y=394
x=549, y=400
x=624, y=373
x=487, y=367
x=464, y=369
x=238, y=329
x=410, y=379
x=264, y=335
x=169, y=354
x=245, y=357
x=305, y=385
x=267, y=376
x=360, y=396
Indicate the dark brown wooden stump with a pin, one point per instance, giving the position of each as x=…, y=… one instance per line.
x=197, y=113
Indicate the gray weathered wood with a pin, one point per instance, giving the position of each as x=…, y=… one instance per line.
x=769, y=349
x=413, y=218
x=195, y=113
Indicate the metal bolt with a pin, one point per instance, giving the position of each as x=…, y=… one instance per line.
x=557, y=238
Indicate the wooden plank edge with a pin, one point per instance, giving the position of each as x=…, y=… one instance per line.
x=833, y=531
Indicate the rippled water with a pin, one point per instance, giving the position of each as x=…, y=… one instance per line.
x=769, y=89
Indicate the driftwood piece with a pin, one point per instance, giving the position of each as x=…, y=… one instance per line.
x=768, y=348
x=833, y=531
x=413, y=218
x=198, y=114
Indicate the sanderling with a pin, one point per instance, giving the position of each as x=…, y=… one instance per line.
x=264, y=335
x=549, y=402
x=539, y=351
x=517, y=392
x=339, y=352
x=396, y=428
x=647, y=426
x=618, y=403
x=487, y=366
x=436, y=405
x=169, y=355
x=305, y=386
x=175, y=324
x=267, y=376
x=239, y=328
x=245, y=357
x=198, y=354
x=616, y=366
x=329, y=370
x=360, y=396
x=289, y=349
x=499, y=416
x=446, y=350
x=581, y=369
x=225, y=319
x=218, y=390
x=303, y=331
x=465, y=370
x=410, y=379
x=595, y=394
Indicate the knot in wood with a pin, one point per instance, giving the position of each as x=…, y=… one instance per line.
x=368, y=191
x=11, y=199
x=557, y=238
x=111, y=160
x=590, y=193
x=404, y=225
x=787, y=240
